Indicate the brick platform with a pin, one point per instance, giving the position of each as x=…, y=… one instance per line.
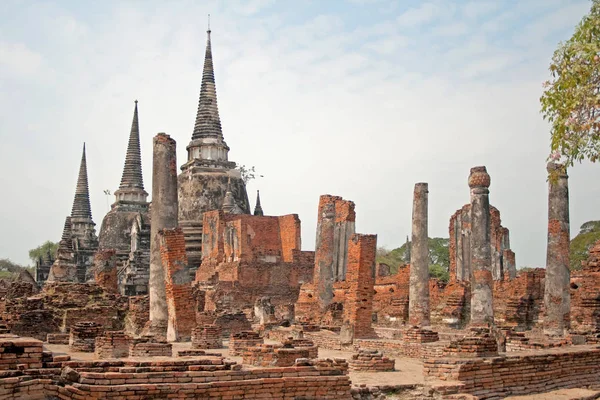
x=239, y=342
x=20, y=352
x=414, y=334
x=479, y=343
x=113, y=344
x=57, y=338
x=274, y=355
x=370, y=361
x=143, y=347
x=207, y=337
x=83, y=336
x=517, y=373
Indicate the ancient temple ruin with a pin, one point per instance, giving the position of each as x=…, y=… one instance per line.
x=79, y=243
x=126, y=227
x=208, y=173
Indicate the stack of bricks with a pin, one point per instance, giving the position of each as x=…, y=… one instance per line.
x=113, y=344
x=58, y=338
x=371, y=361
x=207, y=337
x=517, y=341
x=83, y=336
x=137, y=314
x=274, y=355
x=20, y=352
x=239, y=342
x=196, y=353
x=480, y=343
x=313, y=350
x=415, y=334
x=145, y=347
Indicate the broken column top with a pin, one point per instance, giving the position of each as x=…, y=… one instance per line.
x=557, y=168
x=479, y=177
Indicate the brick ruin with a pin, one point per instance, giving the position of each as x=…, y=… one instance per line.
x=246, y=258
x=211, y=301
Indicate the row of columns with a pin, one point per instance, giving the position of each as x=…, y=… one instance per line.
x=556, y=295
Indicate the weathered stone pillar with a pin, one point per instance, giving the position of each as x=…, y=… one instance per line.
x=418, y=303
x=557, y=299
x=482, y=312
x=323, y=272
x=164, y=210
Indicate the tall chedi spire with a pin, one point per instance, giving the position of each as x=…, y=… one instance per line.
x=132, y=181
x=257, y=208
x=207, y=143
x=208, y=180
x=81, y=203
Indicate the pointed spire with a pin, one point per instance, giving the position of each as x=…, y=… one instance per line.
x=132, y=171
x=257, y=208
x=407, y=251
x=66, y=243
x=208, y=123
x=81, y=203
x=228, y=201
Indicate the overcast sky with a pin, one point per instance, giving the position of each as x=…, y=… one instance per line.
x=359, y=98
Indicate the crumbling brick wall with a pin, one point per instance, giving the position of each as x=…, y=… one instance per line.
x=360, y=277
x=246, y=257
x=180, y=300
x=585, y=294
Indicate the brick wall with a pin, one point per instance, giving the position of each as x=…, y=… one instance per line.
x=522, y=374
x=585, y=294
x=358, y=307
x=180, y=300
x=105, y=270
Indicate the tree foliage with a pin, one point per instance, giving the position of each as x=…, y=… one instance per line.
x=439, y=258
x=571, y=98
x=248, y=173
x=42, y=250
x=581, y=244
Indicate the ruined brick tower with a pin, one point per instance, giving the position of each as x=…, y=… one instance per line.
x=126, y=227
x=76, y=262
x=204, y=178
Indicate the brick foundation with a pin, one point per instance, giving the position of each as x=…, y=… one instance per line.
x=274, y=355
x=20, y=352
x=519, y=374
x=370, y=361
x=240, y=342
x=480, y=343
x=112, y=344
x=58, y=338
x=83, y=336
x=143, y=347
x=207, y=337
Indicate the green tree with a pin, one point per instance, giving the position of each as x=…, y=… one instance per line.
x=579, y=249
x=439, y=257
x=571, y=98
x=42, y=250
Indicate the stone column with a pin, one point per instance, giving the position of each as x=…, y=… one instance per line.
x=557, y=299
x=164, y=210
x=323, y=272
x=482, y=312
x=418, y=305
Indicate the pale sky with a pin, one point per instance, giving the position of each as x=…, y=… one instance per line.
x=358, y=98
